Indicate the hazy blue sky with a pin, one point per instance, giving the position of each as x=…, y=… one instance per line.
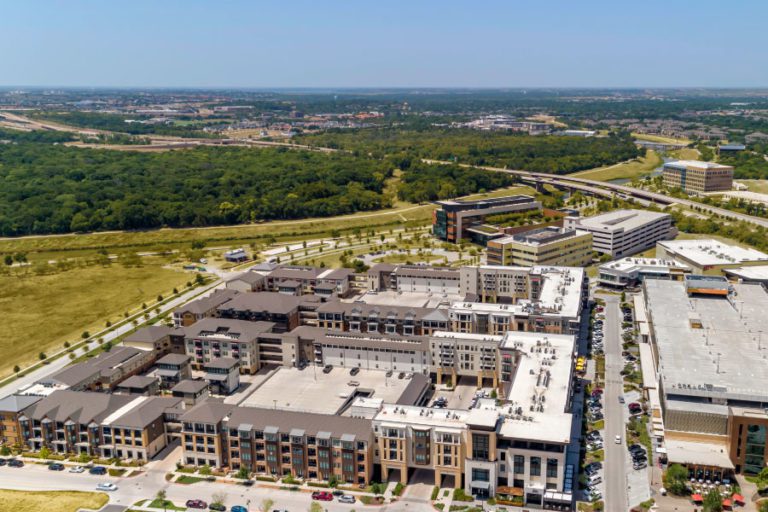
x=327, y=43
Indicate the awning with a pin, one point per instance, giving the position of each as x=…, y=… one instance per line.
x=511, y=491
x=558, y=496
x=696, y=497
x=727, y=502
x=215, y=376
x=738, y=498
x=480, y=485
x=168, y=373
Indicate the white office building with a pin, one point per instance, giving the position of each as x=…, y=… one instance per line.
x=624, y=232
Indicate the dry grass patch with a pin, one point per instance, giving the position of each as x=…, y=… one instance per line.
x=51, y=501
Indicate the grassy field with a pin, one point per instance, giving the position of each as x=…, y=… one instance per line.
x=51, y=501
x=760, y=186
x=685, y=154
x=43, y=311
x=628, y=170
x=659, y=138
x=232, y=235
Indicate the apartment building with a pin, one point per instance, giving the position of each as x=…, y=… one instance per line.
x=104, y=371
x=710, y=257
x=410, y=438
x=697, y=177
x=306, y=279
x=10, y=409
x=624, y=232
x=452, y=220
x=633, y=271
x=302, y=445
x=98, y=424
x=456, y=355
x=205, y=307
x=222, y=375
x=204, y=434
x=173, y=369
x=414, y=279
x=249, y=281
x=282, y=310
x=247, y=342
x=191, y=392
x=373, y=318
x=158, y=338
x=543, y=246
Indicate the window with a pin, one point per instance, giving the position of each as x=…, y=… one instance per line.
x=480, y=475
x=551, y=468
x=535, y=466
x=480, y=446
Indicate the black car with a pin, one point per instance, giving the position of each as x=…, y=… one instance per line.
x=3, y=462
x=635, y=448
x=218, y=507
x=328, y=368
x=337, y=492
x=354, y=371
x=56, y=467
x=98, y=470
x=15, y=463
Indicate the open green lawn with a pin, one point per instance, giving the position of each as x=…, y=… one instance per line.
x=503, y=192
x=629, y=170
x=659, y=138
x=760, y=186
x=685, y=154
x=51, y=501
x=41, y=312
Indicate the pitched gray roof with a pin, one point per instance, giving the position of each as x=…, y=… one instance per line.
x=146, y=412
x=150, y=334
x=210, y=410
x=79, y=406
x=227, y=329
x=271, y=302
x=137, y=382
x=102, y=365
x=285, y=421
x=201, y=306
x=17, y=403
x=248, y=277
x=222, y=362
x=173, y=359
x=189, y=386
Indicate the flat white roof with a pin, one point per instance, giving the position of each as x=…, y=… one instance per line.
x=696, y=164
x=711, y=252
x=631, y=265
x=619, y=219
x=758, y=272
x=727, y=357
x=703, y=454
x=408, y=299
x=544, y=371
x=446, y=420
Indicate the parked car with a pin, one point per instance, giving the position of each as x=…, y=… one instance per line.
x=328, y=368
x=621, y=399
x=639, y=465
x=106, y=486
x=77, y=469
x=218, y=507
x=238, y=508
x=3, y=462
x=322, y=496
x=337, y=492
x=15, y=463
x=617, y=439
x=633, y=448
x=98, y=470
x=347, y=498
x=55, y=466
x=196, y=504
x=354, y=371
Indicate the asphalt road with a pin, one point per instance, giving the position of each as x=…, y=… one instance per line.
x=615, y=454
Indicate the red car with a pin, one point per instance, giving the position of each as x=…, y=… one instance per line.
x=196, y=504
x=322, y=496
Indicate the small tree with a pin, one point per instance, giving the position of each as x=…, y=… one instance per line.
x=42, y=356
x=108, y=323
x=45, y=452
x=713, y=501
x=66, y=344
x=243, y=473
x=16, y=368
x=175, y=291
x=5, y=451
x=85, y=335
x=315, y=507
x=675, y=478
x=159, y=298
x=8, y=260
x=84, y=458
x=218, y=498
x=266, y=504
x=160, y=496
x=205, y=470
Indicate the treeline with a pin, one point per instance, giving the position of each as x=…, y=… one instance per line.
x=57, y=189
x=39, y=136
x=430, y=182
x=747, y=165
x=116, y=123
x=550, y=154
x=749, y=234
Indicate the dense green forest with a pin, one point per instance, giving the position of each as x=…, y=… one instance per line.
x=35, y=136
x=747, y=165
x=553, y=154
x=430, y=182
x=56, y=189
x=116, y=123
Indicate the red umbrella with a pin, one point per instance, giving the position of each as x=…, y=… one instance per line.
x=738, y=498
x=697, y=497
x=726, y=503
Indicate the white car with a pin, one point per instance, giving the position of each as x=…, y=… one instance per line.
x=77, y=469
x=618, y=439
x=106, y=486
x=346, y=498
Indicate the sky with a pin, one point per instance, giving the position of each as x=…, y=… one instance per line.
x=390, y=43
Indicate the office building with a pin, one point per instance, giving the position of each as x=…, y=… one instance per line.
x=633, y=271
x=543, y=246
x=697, y=177
x=624, y=232
x=710, y=257
x=452, y=220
